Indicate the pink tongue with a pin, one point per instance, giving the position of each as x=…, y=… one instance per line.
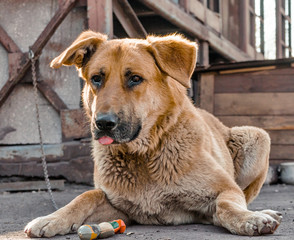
x=105, y=140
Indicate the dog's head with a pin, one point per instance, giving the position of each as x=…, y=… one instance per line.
x=129, y=83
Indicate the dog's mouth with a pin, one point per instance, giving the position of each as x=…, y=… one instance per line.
x=123, y=133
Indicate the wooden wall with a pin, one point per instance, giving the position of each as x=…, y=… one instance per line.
x=261, y=97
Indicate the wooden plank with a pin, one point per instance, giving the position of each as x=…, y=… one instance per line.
x=7, y=42
x=31, y=185
x=54, y=153
x=242, y=83
x=282, y=152
x=275, y=162
x=79, y=170
x=253, y=69
x=14, y=62
x=37, y=48
x=253, y=104
x=100, y=16
x=197, y=8
x=207, y=92
x=282, y=136
x=284, y=64
x=195, y=28
x=265, y=122
x=184, y=4
x=213, y=20
x=51, y=96
x=74, y=124
x=128, y=19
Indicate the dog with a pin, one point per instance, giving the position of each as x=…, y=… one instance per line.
x=157, y=158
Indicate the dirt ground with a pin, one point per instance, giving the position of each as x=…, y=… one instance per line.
x=19, y=208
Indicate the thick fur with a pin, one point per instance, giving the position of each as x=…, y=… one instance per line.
x=170, y=163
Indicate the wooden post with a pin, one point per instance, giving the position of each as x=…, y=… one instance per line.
x=204, y=53
x=244, y=25
x=100, y=16
x=128, y=19
x=207, y=92
x=279, y=50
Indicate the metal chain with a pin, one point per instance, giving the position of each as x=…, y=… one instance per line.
x=44, y=164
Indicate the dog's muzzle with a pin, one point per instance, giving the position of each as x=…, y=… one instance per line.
x=110, y=128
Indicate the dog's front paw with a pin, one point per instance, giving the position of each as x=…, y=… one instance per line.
x=264, y=222
x=49, y=226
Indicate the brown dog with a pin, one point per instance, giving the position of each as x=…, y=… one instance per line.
x=158, y=159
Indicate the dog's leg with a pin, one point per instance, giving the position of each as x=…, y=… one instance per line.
x=231, y=213
x=72, y=216
x=250, y=149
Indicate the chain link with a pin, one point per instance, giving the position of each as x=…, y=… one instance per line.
x=44, y=164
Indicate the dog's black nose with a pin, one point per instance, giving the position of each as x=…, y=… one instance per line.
x=106, y=121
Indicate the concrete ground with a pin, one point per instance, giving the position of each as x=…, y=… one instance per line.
x=16, y=209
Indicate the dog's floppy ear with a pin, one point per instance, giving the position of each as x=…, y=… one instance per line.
x=80, y=51
x=175, y=55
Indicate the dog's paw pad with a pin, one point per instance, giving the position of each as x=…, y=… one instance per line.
x=274, y=214
x=260, y=223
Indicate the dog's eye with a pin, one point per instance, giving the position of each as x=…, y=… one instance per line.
x=134, y=80
x=97, y=80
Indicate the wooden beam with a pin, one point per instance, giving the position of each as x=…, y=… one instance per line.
x=30, y=186
x=100, y=16
x=51, y=27
x=184, y=4
x=282, y=152
x=266, y=122
x=257, y=104
x=128, y=19
x=192, y=26
x=245, y=70
x=244, y=25
x=204, y=53
x=37, y=48
x=51, y=96
x=207, y=92
x=279, y=50
x=7, y=42
x=15, y=60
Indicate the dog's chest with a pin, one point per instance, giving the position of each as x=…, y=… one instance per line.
x=156, y=204
x=152, y=194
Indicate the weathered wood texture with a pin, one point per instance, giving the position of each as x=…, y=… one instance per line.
x=266, y=122
x=30, y=185
x=261, y=97
x=245, y=104
x=7, y=42
x=207, y=92
x=195, y=28
x=36, y=48
x=71, y=161
x=100, y=16
x=128, y=19
x=74, y=124
x=277, y=80
x=51, y=96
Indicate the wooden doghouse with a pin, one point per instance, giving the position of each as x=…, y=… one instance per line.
x=257, y=93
